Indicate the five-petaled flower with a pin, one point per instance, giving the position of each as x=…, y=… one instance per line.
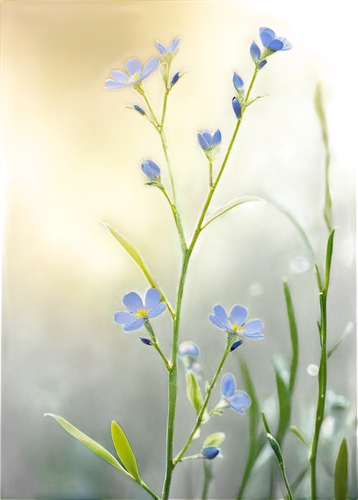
x=168, y=54
x=210, y=452
x=139, y=312
x=150, y=169
x=236, y=323
x=273, y=43
x=237, y=400
x=208, y=139
x=136, y=73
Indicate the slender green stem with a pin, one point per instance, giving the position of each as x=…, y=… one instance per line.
x=211, y=174
x=165, y=100
x=208, y=476
x=198, y=228
x=151, y=493
x=177, y=210
x=322, y=374
x=199, y=419
x=141, y=92
x=155, y=344
x=283, y=470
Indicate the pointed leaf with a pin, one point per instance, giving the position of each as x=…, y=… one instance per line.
x=259, y=97
x=214, y=439
x=341, y=473
x=193, y=391
x=299, y=434
x=284, y=401
x=90, y=443
x=294, y=334
x=225, y=208
x=138, y=259
x=254, y=417
x=328, y=260
x=124, y=451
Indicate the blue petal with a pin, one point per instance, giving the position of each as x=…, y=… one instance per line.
x=161, y=48
x=238, y=315
x=134, y=326
x=210, y=452
x=286, y=44
x=150, y=169
x=228, y=385
x=174, y=44
x=111, y=84
x=235, y=345
x=221, y=315
x=216, y=138
x=124, y=318
x=255, y=51
x=217, y=323
x=239, y=401
x=188, y=348
x=175, y=78
x=139, y=109
x=152, y=298
x=133, y=302
x=236, y=107
x=208, y=137
x=252, y=336
x=266, y=35
x=134, y=66
x=157, y=310
x=253, y=326
x=202, y=141
x=275, y=45
x=262, y=63
x=237, y=81
x=150, y=66
x=145, y=341
x=119, y=76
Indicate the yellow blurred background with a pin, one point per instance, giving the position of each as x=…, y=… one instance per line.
x=72, y=153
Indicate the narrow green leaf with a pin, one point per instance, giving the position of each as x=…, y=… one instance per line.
x=87, y=441
x=341, y=473
x=335, y=347
x=294, y=335
x=299, y=434
x=193, y=391
x=328, y=260
x=321, y=114
x=256, y=98
x=284, y=401
x=124, y=451
x=138, y=259
x=254, y=420
x=214, y=439
x=277, y=450
x=225, y=208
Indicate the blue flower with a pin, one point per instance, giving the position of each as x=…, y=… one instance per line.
x=236, y=106
x=208, y=139
x=262, y=64
x=238, y=82
x=178, y=75
x=137, y=108
x=168, y=54
x=236, y=323
x=273, y=43
x=237, y=400
x=135, y=73
x=151, y=169
x=139, y=312
x=210, y=452
x=189, y=349
x=235, y=345
x=145, y=341
x=255, y=51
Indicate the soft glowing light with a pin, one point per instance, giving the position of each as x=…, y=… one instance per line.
x=328, y=427
x=299, y=265
x=287, y=152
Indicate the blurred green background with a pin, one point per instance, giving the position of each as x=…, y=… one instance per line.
x=71, y=158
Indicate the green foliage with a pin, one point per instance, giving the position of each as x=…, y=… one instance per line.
x=214, y=439
x=230, y=205
x=124, y=451
x=341, y=473
x=193, y=392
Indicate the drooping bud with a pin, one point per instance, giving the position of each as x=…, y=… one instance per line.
x=151, y=169
x=145, y=341
x=236, y=107
x=210, y=452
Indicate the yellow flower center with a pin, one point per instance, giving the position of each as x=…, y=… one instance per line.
x=141, y=313
x=235, y=328
x=135, y=77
